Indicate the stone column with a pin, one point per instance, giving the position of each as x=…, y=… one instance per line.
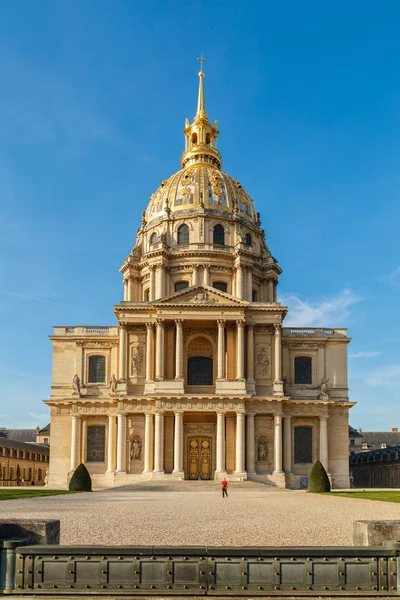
x=122, y=352
x=240, y=350
x=83, y=441
x=195, y=275
x=149, y=350
x=152, y=288
x=270, y=290
x=160, y=349
x=221, y=349
x=125, y=290
x=121, y=444
x=159, y=443
x=250, y=444
x=179, y=349
x=249, y=284
x=323, y=441
x=178, y=444
x=130, y=288
x=239, y=470
x=275, y=291
x=75, y=442
x=250, y=352
x=239, y=282
x=161, y=289
x=111, y=444
x=278, y=383
x=277, y=444
x=287, y=444
x=148, y=442
x=220, y=470
x=206, y=275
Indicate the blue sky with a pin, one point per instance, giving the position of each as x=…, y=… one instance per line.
x=92, y=105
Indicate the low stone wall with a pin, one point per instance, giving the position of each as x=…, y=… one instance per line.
x=375, y=533
x=33, y=531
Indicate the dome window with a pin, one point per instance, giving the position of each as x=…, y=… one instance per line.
x=208, y=139
x=194, y=139
x=247, y=240
x=181, y=285
x=220, y=285
x=183, y=234
x=153, y=238
x=219, y=235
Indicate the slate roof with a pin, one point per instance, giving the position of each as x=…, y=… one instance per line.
x=45, y=429
x=42, y=448
x=19, y=435
x=376, y=438
x=354, y=433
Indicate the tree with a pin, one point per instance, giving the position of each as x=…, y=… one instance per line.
x=80, y=480
x=318, y=480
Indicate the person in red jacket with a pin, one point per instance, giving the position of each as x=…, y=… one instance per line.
x=224, y=485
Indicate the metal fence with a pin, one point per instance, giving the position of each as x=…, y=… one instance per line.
x=224, y=571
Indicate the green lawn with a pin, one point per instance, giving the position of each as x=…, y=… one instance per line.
x=13, y=494
x=382, y=496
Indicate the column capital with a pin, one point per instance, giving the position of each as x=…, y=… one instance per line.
x=278, y=327
x=240, y=322
x=288, y=417
x=250, y=325
x=207, y=266
x=152, y=267
x=123, y=325
x=221, y=323
x=240, y=412
x=178, y=413
x=150, y=325
x=220, y=413
x=179, y=322
x=160, y=322
x=323, y=417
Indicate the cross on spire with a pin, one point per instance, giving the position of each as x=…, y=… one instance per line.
x=201, y=59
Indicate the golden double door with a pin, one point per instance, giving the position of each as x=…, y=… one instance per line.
x=199, y=457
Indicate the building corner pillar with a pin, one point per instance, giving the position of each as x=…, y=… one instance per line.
x=159, y=443
x=179, y=349
x=220, y=470
x=121, y=443
x=221, y=349
x=287, y=444
x=148, y=443
x=323, y=441
x=277, y=445
x=75, y=442
x=240, y=350
x=178, y=445
x=160, y=350
x=239, y=469
x=112, y=423
x=278, y=383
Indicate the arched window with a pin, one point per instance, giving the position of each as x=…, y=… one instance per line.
x=208, y=139
x=302, y=369
x=248, y=240
x=147, y=295
x=303, y=445
x=97, y=369
x=181, y=285
x=194, y=139
x=220, y=285
x=183, y=234
x=153, y=238
x=200, y=370
x=254, y=296
x=219, y=235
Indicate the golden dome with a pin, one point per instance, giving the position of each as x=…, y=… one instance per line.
x=201, y=186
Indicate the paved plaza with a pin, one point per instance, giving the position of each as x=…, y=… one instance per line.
x=194, y=513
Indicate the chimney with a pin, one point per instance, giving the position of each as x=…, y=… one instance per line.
x=395, y=429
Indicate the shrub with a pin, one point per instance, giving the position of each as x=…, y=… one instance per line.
x=318, y=480
x=80, y=480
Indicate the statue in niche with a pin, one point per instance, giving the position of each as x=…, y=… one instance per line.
x=137, y=360
x=262, y=450
x=136, y=450
x=286, y=385
x=323, y=386
x=76, y=384
x=113, y=384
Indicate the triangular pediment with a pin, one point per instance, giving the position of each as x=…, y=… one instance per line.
x=201, y=295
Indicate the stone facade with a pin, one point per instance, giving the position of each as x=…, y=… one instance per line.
x=199, y=379
x=22, y=463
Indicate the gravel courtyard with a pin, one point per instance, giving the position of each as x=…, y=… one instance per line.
x=194, y=513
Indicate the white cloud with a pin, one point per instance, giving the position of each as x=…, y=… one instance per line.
x=394, y=277
x=325, y=313
x=385, y=377
x=362, y=354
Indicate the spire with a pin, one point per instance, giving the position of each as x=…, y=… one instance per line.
x=201, y=106
x=201, y=136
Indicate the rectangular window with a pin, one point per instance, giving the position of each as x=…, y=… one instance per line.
x=97, y=369
x=302, y=370
x=303, y=445
x=96, y=438
x=352, y=442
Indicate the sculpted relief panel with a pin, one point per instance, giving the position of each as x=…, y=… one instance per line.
x=136, y=362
